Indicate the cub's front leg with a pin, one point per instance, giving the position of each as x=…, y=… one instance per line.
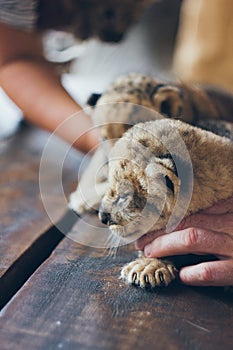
x=149, y=272
x=92, y=186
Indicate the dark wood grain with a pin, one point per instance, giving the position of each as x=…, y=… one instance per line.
x=76, y=301
x=25, y=228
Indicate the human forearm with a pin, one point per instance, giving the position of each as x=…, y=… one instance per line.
x=36, y=89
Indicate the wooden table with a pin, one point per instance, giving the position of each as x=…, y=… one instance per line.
x=64, y=295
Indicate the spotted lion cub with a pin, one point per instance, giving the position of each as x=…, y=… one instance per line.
x=156, y=170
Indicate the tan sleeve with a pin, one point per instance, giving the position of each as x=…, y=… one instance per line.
x=204, y=49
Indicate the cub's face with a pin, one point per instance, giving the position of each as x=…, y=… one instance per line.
x=125, y=199
x=107, y=20
x=135, y=202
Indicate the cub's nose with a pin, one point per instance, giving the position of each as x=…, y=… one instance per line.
x=105, y=217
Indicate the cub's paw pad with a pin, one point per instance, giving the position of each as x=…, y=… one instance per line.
x=148, y=272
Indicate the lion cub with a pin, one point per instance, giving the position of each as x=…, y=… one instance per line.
x=167, y=170
x=156, y=170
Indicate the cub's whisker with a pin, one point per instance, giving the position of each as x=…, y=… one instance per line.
x=114, y=243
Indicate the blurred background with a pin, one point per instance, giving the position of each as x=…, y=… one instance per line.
x=91, y=65
x=191, y=38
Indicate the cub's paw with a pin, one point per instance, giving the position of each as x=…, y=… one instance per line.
x=82, y=206
x=148, y=272
x=86, y=200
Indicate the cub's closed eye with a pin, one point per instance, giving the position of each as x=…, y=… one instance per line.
x=121, y=197
x=169, y=183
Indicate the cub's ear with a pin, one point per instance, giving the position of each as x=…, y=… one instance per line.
x=168, y=100
x=93, y=99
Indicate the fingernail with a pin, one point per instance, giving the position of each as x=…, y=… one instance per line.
x=147, y=250
x=184, y=275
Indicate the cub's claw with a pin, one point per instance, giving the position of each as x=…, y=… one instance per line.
x=148, y=272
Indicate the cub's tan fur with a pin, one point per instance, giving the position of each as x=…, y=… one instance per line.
x=137, y=178
x=138, y=198
x=167, y=168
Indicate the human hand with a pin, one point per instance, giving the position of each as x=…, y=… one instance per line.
x=207, y=232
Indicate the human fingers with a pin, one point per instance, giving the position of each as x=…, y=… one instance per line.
x=218, y=223
x=191, y=241
x=212, y=273
x=147, y=238
x=217, y=218
x=221, y=207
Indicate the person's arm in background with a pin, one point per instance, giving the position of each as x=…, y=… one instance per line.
x=34, y=86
